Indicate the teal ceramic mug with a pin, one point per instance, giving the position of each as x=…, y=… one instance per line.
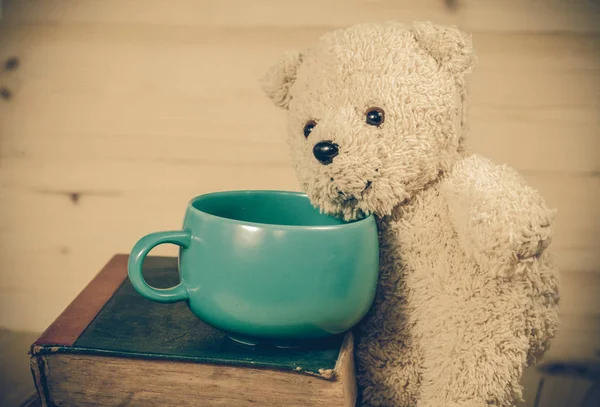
x=266, y=266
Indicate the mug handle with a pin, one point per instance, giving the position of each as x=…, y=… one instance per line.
x=136, y=260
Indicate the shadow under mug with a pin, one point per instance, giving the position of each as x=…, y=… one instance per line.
x=266, y=266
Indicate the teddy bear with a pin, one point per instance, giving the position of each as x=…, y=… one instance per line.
x=468, y=292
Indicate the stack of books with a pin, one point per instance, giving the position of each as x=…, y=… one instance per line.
x=112, y=347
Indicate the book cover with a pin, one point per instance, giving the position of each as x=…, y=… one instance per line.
x=110, y=320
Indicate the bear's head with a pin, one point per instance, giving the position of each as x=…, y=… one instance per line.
x=375, y=113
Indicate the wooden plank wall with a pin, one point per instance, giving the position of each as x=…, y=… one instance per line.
x=121, y=110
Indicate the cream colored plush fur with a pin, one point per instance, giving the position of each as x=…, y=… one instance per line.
x=468, y=295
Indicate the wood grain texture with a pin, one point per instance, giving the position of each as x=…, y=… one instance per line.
x=578, y=337
x=121, y=111
x=527, y=87
x=474, y=15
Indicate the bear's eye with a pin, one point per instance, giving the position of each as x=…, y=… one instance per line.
x=375, y=116
x=308, y=127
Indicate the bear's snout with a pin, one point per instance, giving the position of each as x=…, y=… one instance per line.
x=325, y=151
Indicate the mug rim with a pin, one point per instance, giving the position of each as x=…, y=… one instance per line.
x=192, y=209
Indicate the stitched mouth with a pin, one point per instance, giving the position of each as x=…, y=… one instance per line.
x=350, y=198
x=346, y=197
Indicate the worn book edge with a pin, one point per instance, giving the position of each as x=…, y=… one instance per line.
x=60, y=380
x=76, y=317
x=64, y=379
x=346, y=350
x=59, y=338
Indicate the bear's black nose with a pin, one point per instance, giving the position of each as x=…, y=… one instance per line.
x=325, y=151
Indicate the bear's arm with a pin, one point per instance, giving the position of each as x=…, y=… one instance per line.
x=474, y=344
x=480, y=328
x=500, y=220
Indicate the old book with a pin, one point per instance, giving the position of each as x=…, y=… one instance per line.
x=112, y=347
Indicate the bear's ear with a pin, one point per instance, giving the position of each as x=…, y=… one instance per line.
x=450, y=47
x=280, y=77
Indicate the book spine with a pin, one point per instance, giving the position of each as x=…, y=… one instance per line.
x=71, y=323
x=33, y=401
x=83, y=380
x=38, y=371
